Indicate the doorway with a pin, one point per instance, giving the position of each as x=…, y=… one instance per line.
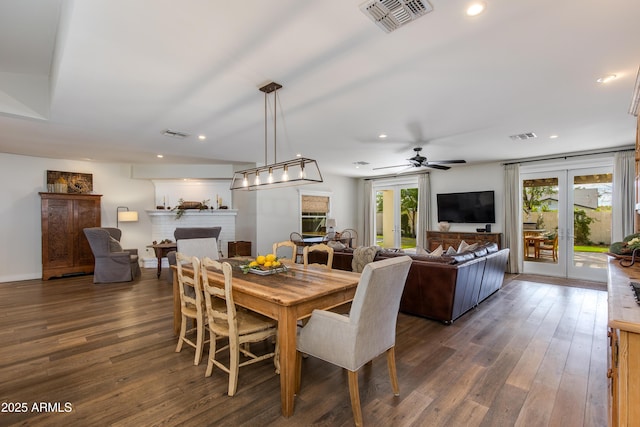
x=566, y=227
x=396, y=216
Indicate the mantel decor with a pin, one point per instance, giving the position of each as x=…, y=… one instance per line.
x=297, y=171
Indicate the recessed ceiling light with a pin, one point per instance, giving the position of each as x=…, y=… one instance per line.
x=476, y=9
x=607, y=79
x=159, y=156
x=202, y=137
x=298, y=155
x=382, y=136
x=553, y=136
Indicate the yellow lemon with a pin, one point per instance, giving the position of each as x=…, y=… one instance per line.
x=260, y=259
x=270, y=257
x=275, y=264
x=267, y=264
x=253, y=264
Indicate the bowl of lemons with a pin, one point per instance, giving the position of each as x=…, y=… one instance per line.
x=264, y=264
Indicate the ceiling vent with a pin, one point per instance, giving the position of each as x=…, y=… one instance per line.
x=523, y=136
x=175, y=134
x=393, y=14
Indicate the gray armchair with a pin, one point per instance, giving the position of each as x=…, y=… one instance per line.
x=368, y=331
x=112, y=263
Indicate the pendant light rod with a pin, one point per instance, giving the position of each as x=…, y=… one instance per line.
x=267, y=89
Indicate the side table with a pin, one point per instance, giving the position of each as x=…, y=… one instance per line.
x=161, y=250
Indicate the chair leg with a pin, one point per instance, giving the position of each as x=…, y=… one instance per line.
x=234, y=361
x=199, y=341
x=355, y=397
x=183, y=333
x=391, y=363
x=212, y=353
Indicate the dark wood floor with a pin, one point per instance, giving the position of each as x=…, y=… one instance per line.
x=534, y=354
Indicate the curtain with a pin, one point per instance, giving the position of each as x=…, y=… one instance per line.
x=513, y=218
x=424, y=211
x=369, y=238
x=623, y=195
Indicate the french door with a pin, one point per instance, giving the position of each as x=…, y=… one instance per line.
x=396, y=216
x=567, y=221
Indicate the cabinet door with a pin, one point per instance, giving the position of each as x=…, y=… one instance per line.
x=87, y=214
x=58, y=233
x=612, y=373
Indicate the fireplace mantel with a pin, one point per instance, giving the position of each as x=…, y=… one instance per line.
x=164, y=223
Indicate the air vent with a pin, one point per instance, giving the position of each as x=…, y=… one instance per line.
x=523, y=136
x=392, y=14
x=175, y=134
x=360, y=163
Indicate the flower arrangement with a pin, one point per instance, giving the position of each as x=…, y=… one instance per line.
x=627, y=246
x=264, y=263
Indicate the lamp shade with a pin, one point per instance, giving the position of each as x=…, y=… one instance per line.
x=128, y=216
x=331, y=223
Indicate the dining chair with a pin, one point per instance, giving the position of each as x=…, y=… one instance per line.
x=285, y=244
x=550, y=245
x=320, y=247
x=239, y=326
x=349, y=237
x=296, y=238
x=191, y=304
x=368, y=330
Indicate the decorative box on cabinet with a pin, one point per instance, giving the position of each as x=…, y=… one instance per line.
x=239, y=249
x=453, y=238
x=624, y=346
x=65, y=249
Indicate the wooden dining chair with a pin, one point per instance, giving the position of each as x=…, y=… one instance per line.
x=240, y=327
x=285, y=244
x=550, y=245
x=191, y=305
x=296, y=238
x=320, y=247
x=365, y=333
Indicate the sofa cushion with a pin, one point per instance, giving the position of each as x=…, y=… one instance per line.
x=437, y=251
x=421, y=251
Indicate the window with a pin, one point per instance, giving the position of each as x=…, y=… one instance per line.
x=314, y=210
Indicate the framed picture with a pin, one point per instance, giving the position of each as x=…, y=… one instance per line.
x=69, y=182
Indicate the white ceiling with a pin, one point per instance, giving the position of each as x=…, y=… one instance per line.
x=102, y=79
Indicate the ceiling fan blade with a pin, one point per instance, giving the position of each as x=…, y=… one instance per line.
x=388, y=167
x=445, y=162
x=443, y=168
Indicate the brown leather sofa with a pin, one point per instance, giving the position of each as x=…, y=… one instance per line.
x=444, y=288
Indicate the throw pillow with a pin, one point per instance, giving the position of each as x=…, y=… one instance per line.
x=421, y=251
x=451, y=251
x=437, y=251
x=335, y=245
x=114, y=245
x=462, y=247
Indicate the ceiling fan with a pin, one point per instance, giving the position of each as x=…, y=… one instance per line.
x=419, y=161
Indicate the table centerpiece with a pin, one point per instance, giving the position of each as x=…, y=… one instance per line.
x=264, y=265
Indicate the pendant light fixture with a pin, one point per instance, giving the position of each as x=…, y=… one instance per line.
x=297, y=171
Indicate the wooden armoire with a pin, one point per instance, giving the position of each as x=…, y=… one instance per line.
x=65, y=249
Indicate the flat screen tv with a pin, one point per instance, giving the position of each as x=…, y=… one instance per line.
x=475, y=207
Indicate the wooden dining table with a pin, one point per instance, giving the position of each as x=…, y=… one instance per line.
x=286, y=297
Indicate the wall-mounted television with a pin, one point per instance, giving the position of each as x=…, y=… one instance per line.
x=475, y=207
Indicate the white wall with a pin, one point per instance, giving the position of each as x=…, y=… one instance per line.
x=488, y=176
x=264, y=217
x=23, y=177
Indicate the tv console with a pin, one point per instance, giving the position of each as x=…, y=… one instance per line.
x=453, y=238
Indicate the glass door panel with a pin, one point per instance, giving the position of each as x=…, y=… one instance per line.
x=396, y=216
x=590, y=224
x=543, y=223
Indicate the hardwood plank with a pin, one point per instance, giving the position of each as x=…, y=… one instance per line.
x=532, y=354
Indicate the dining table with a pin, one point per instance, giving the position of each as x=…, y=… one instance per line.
x=287, y=297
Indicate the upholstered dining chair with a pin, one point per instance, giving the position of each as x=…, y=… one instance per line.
x=191, y=305
x=368, y=331
x=195, y=241
x=285, y=244
x=240, y=327
x=296, y=238
x=112, y=263
x=320, y=247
